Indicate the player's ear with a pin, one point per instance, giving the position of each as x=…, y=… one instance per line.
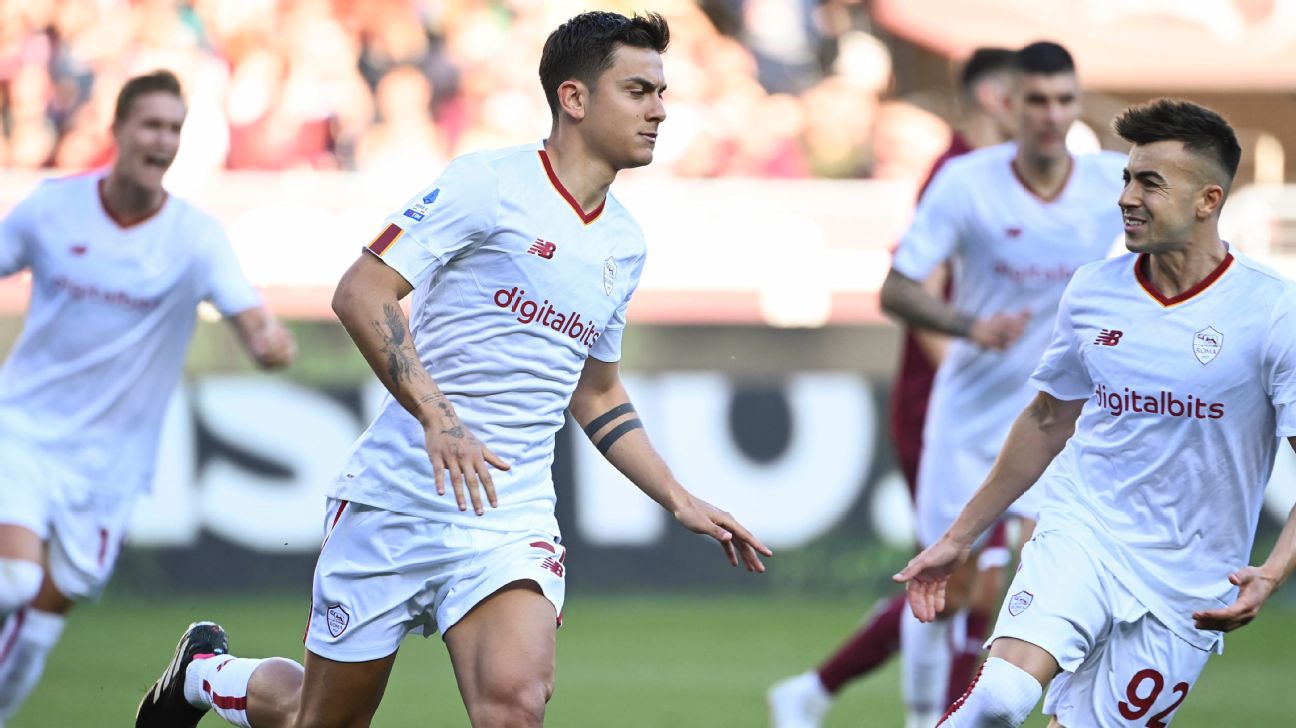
x=1209, y=200
x=573, y=98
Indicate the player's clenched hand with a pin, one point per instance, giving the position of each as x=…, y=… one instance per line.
x=926, y=575
x=273, y=345
x=701, y=517
x=1254, y=588
x=998, y=331
x=457, y=454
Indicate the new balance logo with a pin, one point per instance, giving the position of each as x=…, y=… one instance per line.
x=1109, y=337
x=543, y=248
x=555, y=566
x=550, y=563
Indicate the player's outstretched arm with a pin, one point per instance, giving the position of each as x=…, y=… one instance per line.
x=1255, y=583
x=267, y=341
x=602, y=407
x=367, y=302
x=907, y=300
x=1037, y=436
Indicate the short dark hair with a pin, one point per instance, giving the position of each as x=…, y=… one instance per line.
x=1044, y=58
x=582, y=47
x=986, y=62
x=1201, y=130
x=158, y=81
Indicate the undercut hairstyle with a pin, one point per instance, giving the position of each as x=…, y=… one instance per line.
x=158, y=81
x=1044, y=58
x=1202, y=131
x=986, y=62
x=583, y=47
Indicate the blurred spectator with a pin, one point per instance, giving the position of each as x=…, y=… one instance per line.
x=906, y=142
x=394, y=88
x=404, y=146
x=839, y=126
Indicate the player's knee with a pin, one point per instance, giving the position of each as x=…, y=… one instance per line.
x=274, y=692
x=954, y=603
x=20, y=582
x=517, y=706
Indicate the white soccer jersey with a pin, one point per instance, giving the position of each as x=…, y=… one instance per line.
x=111, y=314
x=1186, y=398
x=1010, y=250
x=514, y=286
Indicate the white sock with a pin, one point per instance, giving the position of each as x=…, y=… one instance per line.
x=29, y=635
x=1002, y=696
x=958, y=633
x=798, y=701
x=20, y=581
x=925, y=658
x=221, y=684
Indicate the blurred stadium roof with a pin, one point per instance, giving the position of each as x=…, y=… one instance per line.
x=1234, y=45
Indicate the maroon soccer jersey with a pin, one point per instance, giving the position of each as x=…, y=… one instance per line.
x=913, y=382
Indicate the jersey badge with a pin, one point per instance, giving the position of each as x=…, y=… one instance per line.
x=1019, y=602
x=1207, y=344
x=609, y=275
x=1109, y=337
x=543, y=248
x=430, y=197
x=337, y=619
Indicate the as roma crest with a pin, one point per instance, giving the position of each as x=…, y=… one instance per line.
x=1018, y=602
x=338, y=619
x=609, y=275
x=1207, y=344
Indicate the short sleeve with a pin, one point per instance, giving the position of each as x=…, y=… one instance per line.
x=15, y=236
x=938, y=223
x=1280, y=363
x=227, y=288
x=608, y=346
x=455, y=213
x=1061, y=372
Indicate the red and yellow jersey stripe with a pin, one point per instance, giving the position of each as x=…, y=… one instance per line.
x=385, y=240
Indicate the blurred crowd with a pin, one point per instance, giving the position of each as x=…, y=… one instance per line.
x=757, y=88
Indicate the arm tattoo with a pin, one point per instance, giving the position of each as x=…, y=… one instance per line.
x=395, y=323
x=400, y=366
x=605, y=444
x=450, y=424
x=602, y=420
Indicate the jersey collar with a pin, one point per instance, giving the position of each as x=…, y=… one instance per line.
x=1140, y=264
x=1071, y=165
x=124, y=225
x=586, y=217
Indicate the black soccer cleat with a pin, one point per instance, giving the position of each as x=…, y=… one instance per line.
x=164, y=705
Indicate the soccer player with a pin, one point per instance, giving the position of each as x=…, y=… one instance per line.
x=118, y=268
x=985, y=95
x=522, y=265
x=1014, y=222
x=1170, y=376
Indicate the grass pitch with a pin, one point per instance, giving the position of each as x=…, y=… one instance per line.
x=623, y=662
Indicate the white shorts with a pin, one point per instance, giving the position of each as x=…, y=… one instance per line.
x=948, y=475
x=83, y=527
x=382, y=575
x=1122, y=666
